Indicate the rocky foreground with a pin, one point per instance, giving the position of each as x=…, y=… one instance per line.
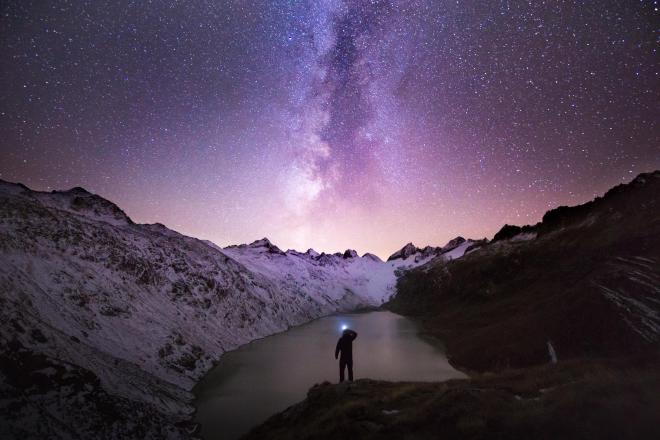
x=558, y=325
x=575, y=400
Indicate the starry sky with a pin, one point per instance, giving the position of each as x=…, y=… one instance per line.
x=330, y=124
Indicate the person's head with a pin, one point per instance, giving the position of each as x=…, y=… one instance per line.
x=346, y=331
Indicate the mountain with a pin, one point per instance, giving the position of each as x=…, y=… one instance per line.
x=585, y=281
x=411, y=256
x=130, y=316
x=340, y=275
x=372, y=257
x=106, y=325
x=404, y=252
x=341, y=278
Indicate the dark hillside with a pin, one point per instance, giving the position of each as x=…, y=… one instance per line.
x=585, y=280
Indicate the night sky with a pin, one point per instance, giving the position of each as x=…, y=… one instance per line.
x=330, y=124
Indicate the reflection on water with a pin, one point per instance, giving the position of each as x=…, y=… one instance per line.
x=262, y=378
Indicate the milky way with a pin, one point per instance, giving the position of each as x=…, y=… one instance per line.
x=330, y=124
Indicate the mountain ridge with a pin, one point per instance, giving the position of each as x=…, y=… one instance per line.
x=90, y=201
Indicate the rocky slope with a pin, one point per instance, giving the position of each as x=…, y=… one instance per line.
x=105, y=325
x=577, y=400
x=583, y=282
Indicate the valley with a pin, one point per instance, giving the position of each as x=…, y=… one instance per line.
x=107, y=325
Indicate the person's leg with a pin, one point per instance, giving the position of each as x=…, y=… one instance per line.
x=342, y=365
x=350, y=370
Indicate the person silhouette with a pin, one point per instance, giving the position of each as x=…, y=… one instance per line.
x=345, y=347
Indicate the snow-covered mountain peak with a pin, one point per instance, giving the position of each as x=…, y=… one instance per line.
x=372, y=257
x=264, y=242
x=350, y=253
x=76, y=190
x=97, y=207
x=263, y=245
x=404, y=252
x=411, y=256
x=76, y=200
x=453, y=243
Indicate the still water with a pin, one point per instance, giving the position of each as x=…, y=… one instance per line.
x=266, y=376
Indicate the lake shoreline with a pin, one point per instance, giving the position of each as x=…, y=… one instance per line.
x=386, y=343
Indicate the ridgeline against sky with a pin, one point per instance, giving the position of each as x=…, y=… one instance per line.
x=330, y=124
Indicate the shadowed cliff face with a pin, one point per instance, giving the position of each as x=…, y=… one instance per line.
x=586, y=280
